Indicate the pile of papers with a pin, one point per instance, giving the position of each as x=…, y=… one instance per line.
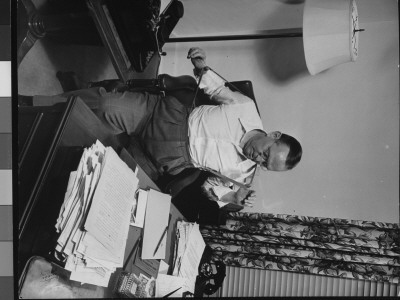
x=189, y=249
x=94, y=219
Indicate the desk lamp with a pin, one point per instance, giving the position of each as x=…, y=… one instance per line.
x=330, y=34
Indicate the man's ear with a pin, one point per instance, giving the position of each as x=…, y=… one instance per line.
x=275, y=135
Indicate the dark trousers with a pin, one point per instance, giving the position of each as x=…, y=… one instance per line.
x=158, y=123
x=122, y=112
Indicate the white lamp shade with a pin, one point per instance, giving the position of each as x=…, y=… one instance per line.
x=327, y=34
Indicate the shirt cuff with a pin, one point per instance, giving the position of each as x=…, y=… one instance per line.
x=211, y=83
x=221, y=203
x=220, y=191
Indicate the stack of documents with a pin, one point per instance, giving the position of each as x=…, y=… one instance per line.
x=94, y=219
x=189, y=249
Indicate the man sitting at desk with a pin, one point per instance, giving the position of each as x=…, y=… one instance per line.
x=228, y=138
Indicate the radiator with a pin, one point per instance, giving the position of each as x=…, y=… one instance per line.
x=245, y=282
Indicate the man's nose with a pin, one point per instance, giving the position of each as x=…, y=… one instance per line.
x=259, y=158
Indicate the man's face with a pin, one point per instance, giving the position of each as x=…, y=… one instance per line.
x=264, y=150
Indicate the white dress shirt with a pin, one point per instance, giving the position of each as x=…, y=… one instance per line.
x=216, y=133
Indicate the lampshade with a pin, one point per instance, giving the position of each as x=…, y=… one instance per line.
x=330, y=33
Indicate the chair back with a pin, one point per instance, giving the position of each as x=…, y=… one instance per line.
x=183, y=86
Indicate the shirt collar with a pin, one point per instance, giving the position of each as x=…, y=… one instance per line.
x=249, y=126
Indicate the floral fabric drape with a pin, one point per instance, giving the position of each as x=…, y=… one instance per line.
x=324, y=246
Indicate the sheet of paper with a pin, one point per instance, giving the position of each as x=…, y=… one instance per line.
x=93, y=185
x=71, y=200
x=72, y=177
x=75, y=234
x=109, y=215
x=147, y=266
x=70, y=221
x=91, y=263
x=193, y=253
x=140, y=208
x=91, y=278
x=92, y=248
x=156, y=220
x=182, y=238
x=89, y=160
x=166, y=284
x=163, y=268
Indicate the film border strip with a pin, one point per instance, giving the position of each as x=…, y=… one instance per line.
x=6, y=211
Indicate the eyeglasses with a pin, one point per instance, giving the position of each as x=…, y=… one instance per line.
x=263, y=165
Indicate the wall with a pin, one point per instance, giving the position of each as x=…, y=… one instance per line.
x=346, y=118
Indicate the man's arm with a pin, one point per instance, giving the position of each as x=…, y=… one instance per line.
x=212, y=84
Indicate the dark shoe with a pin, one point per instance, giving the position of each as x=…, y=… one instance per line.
x=25, y=100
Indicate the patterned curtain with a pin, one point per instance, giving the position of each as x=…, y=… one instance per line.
x=324, y=246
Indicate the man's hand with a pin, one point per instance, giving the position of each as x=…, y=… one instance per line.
x=245, y=197
x=198, y=57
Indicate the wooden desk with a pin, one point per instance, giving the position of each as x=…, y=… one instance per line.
x=51, y=141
